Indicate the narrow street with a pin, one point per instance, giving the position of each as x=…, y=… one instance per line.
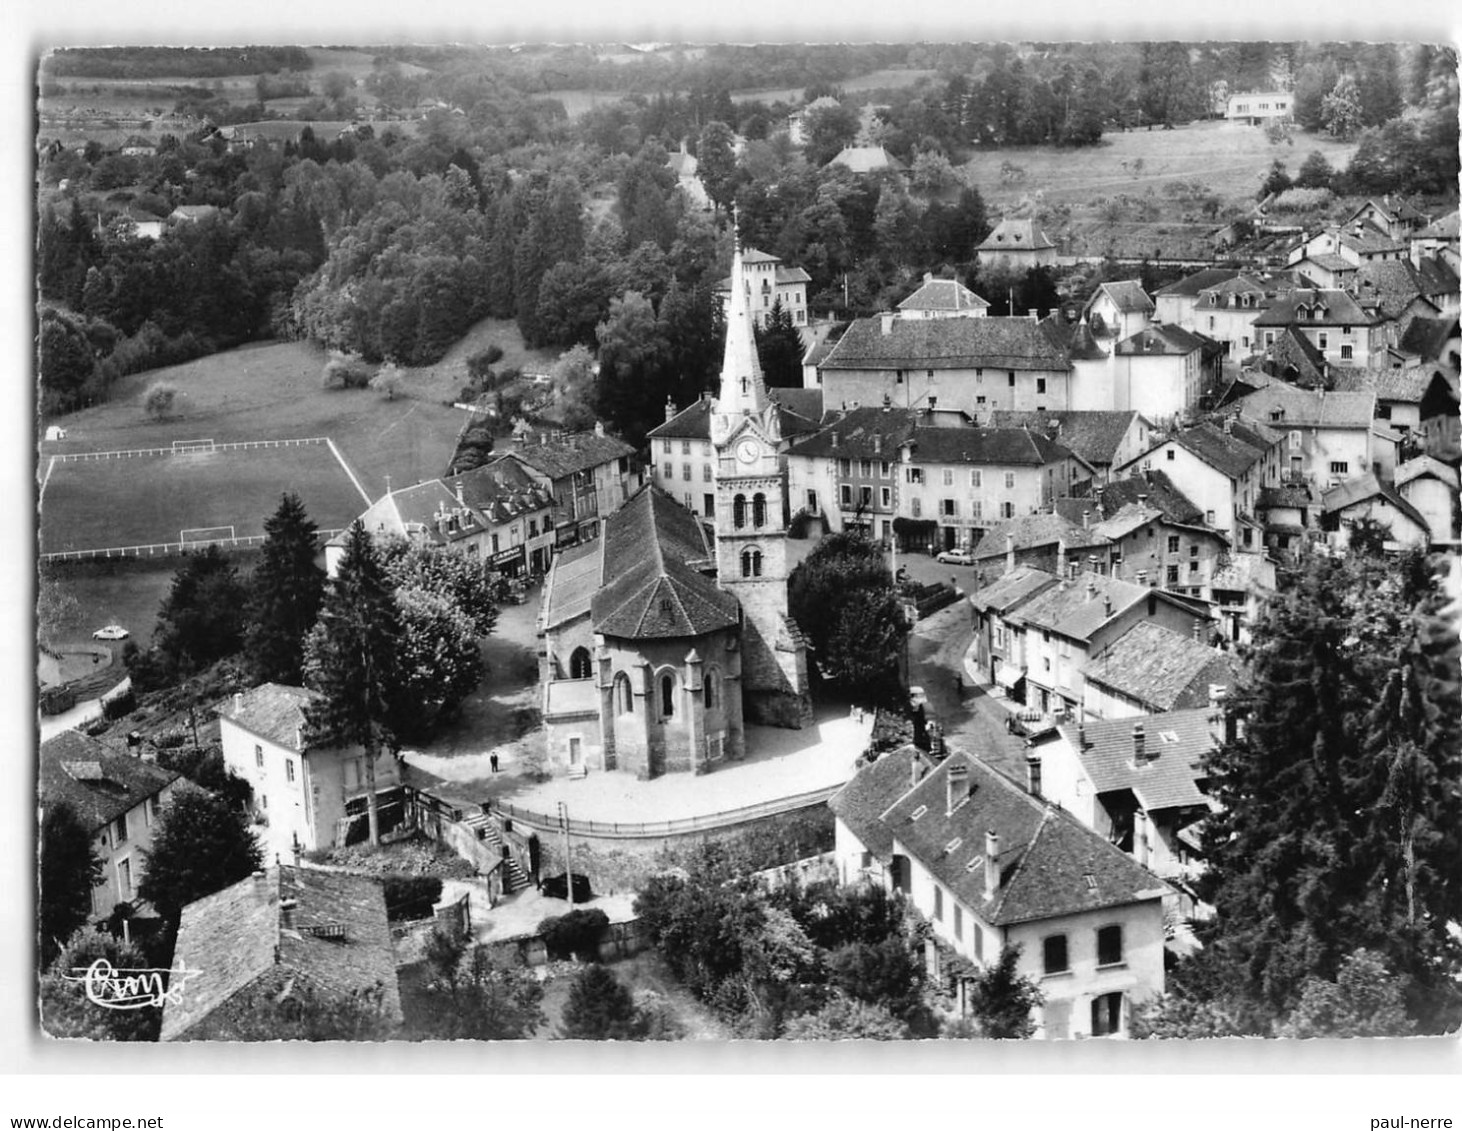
x=971, y=721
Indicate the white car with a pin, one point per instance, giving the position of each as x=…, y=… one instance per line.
x=956, y=557
x=111, y=632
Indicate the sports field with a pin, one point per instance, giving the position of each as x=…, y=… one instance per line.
x=150, y=499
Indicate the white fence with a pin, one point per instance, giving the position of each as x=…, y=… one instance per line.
x=139, y=453
x=165, y=549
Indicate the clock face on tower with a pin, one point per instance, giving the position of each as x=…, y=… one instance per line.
x=747, y=450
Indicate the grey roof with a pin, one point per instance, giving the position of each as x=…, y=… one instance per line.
x=237, y=940
x=867, y=432
x=1049, y=864
x=943, y=295
x=1190, y=285
x=1016, y=235
x=1162, y=669
x=1162, y=339
x=947, y=343
x=799, y=411
x=1176, y=743
x=1126, y=294
x=1443, y=229
x=1093, y=435
x=99, y=782
x=867, y=159
x=1011, y=589
x=1422, y=466
x=860, y=803
x=572, y=582
x=649, y=588
x=1075, y=338
x=1308, y=408
x=1079, y=608
x=1363, y=487
x=1231, y=453
x=1427, y=337
x=500, y=491
x=560, y=456
x=1150, y=488
x=1335, y=308
x=1001, y=447
x=1035, y=530
x=1291, y=349
x=274, y=711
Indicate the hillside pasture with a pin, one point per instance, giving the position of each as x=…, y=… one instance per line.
x=1228, y=160
x=272, y=391
x=148, y=499
x=443, y=380
x=888, y=78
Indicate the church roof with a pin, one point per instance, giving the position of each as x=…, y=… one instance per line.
x=743, y=387
x=651, y=584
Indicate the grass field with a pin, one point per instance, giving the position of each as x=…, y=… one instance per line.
x=93, y=504
x=272, y=391
x=1226, y=159
x=889, y=78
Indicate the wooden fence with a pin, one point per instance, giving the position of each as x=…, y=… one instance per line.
x=167, y=549
x=140, y=453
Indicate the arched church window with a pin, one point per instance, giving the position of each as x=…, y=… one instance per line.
x=759, y=510
x=738, y=512
x=624, y=700
x=713, y=688
x=581, y=665
x=667, y=696
x=750, y=563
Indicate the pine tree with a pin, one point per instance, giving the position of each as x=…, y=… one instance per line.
x=600, y=1008
x=350, y=659
x=70, y=868
x=779, y=348
x=286, y=591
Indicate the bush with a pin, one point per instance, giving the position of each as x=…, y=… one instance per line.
x=158, y=402
x=411, y=897
x=342, y=372
x=575, y=935
x=124, y=704
x=1302, y=200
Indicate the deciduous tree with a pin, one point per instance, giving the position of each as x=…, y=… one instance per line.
x=1003, y=1000
x=201, y=845
x=70, y=868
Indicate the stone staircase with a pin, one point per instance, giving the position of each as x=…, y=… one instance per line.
x=514, y=878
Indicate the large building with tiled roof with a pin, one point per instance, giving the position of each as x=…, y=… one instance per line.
x=282, y=933
x=1016, y=245
x=664, y=636
x=1177, y=302
x=304, y=796
x=1151, y=669
x=943, y=298
x=1328, y=436
x=118, y=799
x=588, y=474
x=1165, y=371
x=1101, y=439
x=971, y=365
x=990, y=864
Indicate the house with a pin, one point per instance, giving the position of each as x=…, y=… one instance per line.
x=1368, y=497
x=1151, y=670
x=969, y=365
x=304, y=796
x=1069, y=625
x=1393, y=215
x=1118, y=310
x=588, y=475
x=1091, y=384
x=848, y=472
x=768, y=283
x=1000, y=641
x=1398, y=291
x=1043, y=540
x=284, y=931
x=660, y=639
x=1357, y=242
x=864, y=159
x=1140, y=783
x=513, y=532
x=1255, y=108
x=1016, y=245
x=1239, y=590
x=1221, y=468
x=1165, y=371
x=118, y=799
x=1432, y=341
x=1288, y=512
x=942, y=298
x=192, y=213
x=990, y=865
x=1438, y=239
x=1431, y=487
x=1327, y=269
x=1177, y=303
x=1225, y=311
x=683, y=459
x=1293, y=358
x=429, y=513
x=1099, y=439
x=797, y=120
x=1326, y=436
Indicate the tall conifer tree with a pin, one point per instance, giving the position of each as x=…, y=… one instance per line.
x=287, y=588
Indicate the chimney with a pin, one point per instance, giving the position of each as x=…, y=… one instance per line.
x=461, y=501
x=885, y=323
x=835, y=438
x=1009, y=551
x=259, y=875
x=992, y=864
x=916, y=771
x=1139, y=745
x=1142, y=577
x=877, y=443
x=933, y=403
x=286, y=913
x=1228, y=425
x=1142, y=500
x=1033, y=774
x=1197, y=630
x=1086, y=520
x=1108, y=608
x=599, y=428
x=1090, y=589
x=1081, y=736
x=1061, y=558
x=669, y=408
x=238, y=701
x=957, y=785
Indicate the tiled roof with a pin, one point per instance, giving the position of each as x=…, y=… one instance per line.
x=1075, y=338
x=1443, y=229
x=338, y=939
x=500, y=491
x=1016, y=235
x=1001, y=447
x=559, y=457
x=1328, y=260
x=1127, y=295
x=1367, y=239
x=1156, y=490
x=1189, y=286
x=1427, y=337
x=855, y=432
x=1293, y=350
x=572, y=582
x=1080, y=607
x=1176, y=743
x=947, y=343
x=797, y=405
x=1422, y=466
x=1289, y=495
x=1093, y=436
x=1229, y=453
x=800, y=411
x=1437, y=277
x=861, y=802
x=690, y=423
x=1131, y=517
x=1034, y=530
x=1164, y=670
x=272, y=710
x=1391, y=207
x=867, y=159
x=1011, y=589
x=1339, y=309
x=1160, y=339
x=943, y=295
x=1393, y=283
x=649, y=590
x=1357, y=490
x=1049, y=865
x=1308, y=408
x=97, y=781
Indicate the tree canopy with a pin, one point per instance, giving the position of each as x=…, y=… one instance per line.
x=286, y=589
x=201, y=845
x=70, y=868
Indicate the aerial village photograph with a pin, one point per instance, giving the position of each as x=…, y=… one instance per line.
x=683, y=542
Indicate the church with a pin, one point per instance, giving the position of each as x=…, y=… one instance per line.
x=663, y=638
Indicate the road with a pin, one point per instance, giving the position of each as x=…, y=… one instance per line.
x=971, y=721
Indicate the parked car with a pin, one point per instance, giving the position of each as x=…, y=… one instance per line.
x=111, y=632
x=956, y=557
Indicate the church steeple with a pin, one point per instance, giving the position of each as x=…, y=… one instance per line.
x=743, y=388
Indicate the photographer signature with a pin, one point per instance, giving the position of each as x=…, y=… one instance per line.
x=111, y=988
